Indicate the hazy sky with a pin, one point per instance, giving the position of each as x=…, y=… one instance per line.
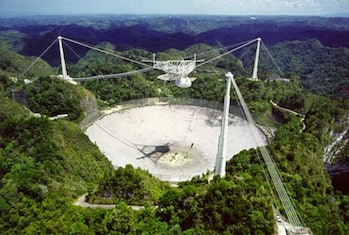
x=216, y=7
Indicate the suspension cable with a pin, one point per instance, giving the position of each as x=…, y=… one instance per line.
x=219, y=49
x=106, y=52
x=273, y=172
x=266, y=176
x=272, y=58
x=36, y=60
x=125, y=142
x=108, y=75
x=256, y=150
x=116, y=75
x=230, y=51
x=81, y=59
x=283, y=182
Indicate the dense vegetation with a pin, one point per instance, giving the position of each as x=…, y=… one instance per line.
x=14, y=64
x=113, y=91
x=128, y=185
x=46, y=165
x=51, y=97
x=239, y=204
x=322, y=69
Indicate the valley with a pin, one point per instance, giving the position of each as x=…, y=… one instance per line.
x=47, y=164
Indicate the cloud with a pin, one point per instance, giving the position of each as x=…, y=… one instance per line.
x=298, y=3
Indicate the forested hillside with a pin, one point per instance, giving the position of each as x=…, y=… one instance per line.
x=14, y=64
x=323, y=69
x=44, y=165
x=318, y=56
x=47, y=164
x=61, y=164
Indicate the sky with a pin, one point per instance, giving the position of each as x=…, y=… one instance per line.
x=202, y=7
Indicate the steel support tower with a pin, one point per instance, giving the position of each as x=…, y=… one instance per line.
x=61, y=52
x=255, y=67
x=222, y=142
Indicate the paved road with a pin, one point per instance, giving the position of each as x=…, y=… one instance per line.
x=82, y=202
x=293, y=112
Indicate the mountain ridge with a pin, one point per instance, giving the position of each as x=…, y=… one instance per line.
x=240, y=203
x=125, y=32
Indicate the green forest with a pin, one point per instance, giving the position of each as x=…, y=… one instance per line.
x=47, y=165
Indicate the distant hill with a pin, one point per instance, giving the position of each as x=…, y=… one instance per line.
x=158, y=33
x=12, y=40
x=319, y=55
x=14, y=64
x=46, y=165
x=323, y=70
